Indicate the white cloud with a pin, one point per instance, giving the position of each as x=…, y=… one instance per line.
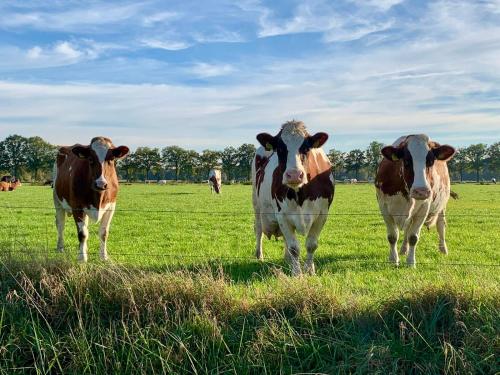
x=160, y=17
x=205, y=70
x=169, y=45
x=87, y=18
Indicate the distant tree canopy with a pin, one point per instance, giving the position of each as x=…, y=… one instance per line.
x=32, y=159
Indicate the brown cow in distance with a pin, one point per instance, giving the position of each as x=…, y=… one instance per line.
x=10, y=184
x=413, y=188
x=86, y=186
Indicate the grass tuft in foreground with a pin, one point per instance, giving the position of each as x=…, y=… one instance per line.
x=60, y=317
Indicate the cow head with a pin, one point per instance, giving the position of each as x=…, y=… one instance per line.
x=292, y=145
x=418, y=154
x=101, y=156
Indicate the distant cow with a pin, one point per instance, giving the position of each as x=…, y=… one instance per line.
x=162, y=182
x=215, y=180
x=413, y=188
x=6, y=178
x=86, y=185
x=350, y=181
x=494, y=180
x=9, y=184
x=292, y=190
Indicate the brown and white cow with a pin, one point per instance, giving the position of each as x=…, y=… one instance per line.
x=413, y=188
x=9, y=184
x=85, y=186
x=292, y=190
x=215, y=180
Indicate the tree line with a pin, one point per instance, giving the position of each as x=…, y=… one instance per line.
x=32, y=159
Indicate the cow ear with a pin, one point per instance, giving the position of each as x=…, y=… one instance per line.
x=120, y=152
x=318, y=140
x=444, y=152
x=267, y=141
x=83, y=152
x=392, y=153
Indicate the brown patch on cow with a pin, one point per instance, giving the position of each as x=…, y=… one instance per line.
x=319, y=184
x=4, y=186
x=213, y=179
x=260, y=170
x=74, y=182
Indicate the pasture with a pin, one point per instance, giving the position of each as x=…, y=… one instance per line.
x=184, y=294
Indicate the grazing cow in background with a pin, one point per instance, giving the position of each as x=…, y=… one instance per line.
x=6, y=178
x=86, y=185
x=413, y=188
x=9, y=184
x=215, y=180
x=162, y=182
x=292, y=190
x=494, y=180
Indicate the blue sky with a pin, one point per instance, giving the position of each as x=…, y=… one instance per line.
x=208, y=74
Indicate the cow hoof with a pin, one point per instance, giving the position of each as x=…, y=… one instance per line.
x=60, y=249
x=412, y=264
x=259, y=255
x=104, y=258
x=82, y=259
x=443, y=249
x=310, y=269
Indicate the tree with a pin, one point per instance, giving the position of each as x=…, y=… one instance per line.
x=148, y=159
x=459, y=163
x=245, y=155
x=337, y=158
x=128, y=165
x=40, y=156
x=229, y=158
x=190, y=167
x=373, y=157
x=354, y=161
x=494, y=158
x=13, y=154
x=207, y=160
x=476, y=155
x=173, y=157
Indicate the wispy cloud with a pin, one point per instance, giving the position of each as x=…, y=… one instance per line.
x=206, y=70
x=169, y=45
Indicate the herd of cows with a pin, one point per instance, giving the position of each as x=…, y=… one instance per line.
x=293, y=189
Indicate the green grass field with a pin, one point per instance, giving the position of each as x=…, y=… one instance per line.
x=184, y=294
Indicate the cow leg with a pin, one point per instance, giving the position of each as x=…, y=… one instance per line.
x=104, y=232
x=312, y=243
x=82, y=221
x=413, y=233
x=292, y=248
x=441, y=228
x=392, y=237
x=60, y=223
x=258, y=237
x=404, y=246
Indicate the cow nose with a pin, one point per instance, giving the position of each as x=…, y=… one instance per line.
x=420, y=193
x=101, y=185
x=294, y=176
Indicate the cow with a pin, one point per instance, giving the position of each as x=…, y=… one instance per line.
x=162, y=182
x=293, y=189
x=9, y=184
x=215, y=180
x=6, y=178
x=86, y=186
x=413, y=188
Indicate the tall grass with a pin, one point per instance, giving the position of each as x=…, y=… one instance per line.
x=57, y=317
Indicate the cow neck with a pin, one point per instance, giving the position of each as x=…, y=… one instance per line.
x=318, y=185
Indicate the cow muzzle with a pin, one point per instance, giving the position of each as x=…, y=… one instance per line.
x=294, y=178
x=100, y=184
x=420, y=193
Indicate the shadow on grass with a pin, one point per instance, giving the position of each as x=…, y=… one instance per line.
x=182, y=322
